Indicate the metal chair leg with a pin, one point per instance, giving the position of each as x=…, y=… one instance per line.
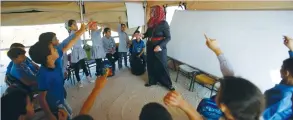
x=212, y=89
x=177, y=75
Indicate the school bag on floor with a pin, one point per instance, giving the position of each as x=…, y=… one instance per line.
x=137, y=66
x=107, y=64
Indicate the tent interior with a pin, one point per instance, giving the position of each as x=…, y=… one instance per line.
x=36, y=13
x=112, y=105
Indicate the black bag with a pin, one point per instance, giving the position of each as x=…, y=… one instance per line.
x=137, y=66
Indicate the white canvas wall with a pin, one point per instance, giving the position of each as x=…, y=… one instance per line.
x=251, y=40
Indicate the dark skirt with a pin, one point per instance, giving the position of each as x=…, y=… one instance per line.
x=157, y=65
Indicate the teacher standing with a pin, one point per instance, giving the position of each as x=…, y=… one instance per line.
x=158, y=34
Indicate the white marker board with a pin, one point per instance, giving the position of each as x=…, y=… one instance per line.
x=135, y=14
x=251, y=41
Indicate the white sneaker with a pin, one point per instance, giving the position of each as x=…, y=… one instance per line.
x=90, y=79
x=80, y=84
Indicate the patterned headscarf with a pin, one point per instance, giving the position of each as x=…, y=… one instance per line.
x=158, y=13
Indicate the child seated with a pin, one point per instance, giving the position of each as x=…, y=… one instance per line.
x=137, y=59
x=22, y=68
x=28, y=61
x=17, y=105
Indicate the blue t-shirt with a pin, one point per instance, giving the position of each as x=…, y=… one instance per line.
x=137, y=46
x=51, y=80
x=24, y=70
x=60, y=47
x=27, y=61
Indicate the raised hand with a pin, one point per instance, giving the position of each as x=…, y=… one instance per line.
x=288, y=42
x=213, y=45
x=62, y=115
x=174, y=99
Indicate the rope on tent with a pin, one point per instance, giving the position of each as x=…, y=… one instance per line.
x=165, y=8
x=182, y=5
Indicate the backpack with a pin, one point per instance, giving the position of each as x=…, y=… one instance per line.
x=137, y=66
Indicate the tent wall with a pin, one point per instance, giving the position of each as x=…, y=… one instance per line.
x=108, y=12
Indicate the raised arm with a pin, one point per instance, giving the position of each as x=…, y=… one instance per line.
x=75, y=38
x=225, y=66
x=289, y=43
x=100, y=83
x=119, y=25
x=174, y=99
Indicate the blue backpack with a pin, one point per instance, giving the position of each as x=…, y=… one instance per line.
x=209, y=109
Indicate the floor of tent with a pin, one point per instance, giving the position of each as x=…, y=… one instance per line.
x=124, y=95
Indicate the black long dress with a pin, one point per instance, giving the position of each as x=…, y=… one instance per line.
x=157, y=61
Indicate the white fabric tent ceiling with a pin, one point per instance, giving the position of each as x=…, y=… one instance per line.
x=16, y=13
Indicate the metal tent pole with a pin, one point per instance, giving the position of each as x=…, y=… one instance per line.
x=81, y=8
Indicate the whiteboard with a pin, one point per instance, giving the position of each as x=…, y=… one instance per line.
x=135, y=14
x=251, y=41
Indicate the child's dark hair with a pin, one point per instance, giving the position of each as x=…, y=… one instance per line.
x=288, y=65
x=14, y=104
x=47, y=37
x=106, y=30
x=154, y=111
x=14, y=45
x=123, y=24
x=244, y=100
x=137, y=31
x=15, y=52
x=83, y=117
x=69, y=24
x=39, y=53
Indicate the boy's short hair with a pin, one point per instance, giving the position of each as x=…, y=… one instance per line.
x=15, y=52
x=39, y=53
x=123, y=25
x=14, y=104
x=154, y=111
x=288, y=65
x=16, y=45
x=83, y=117
x=137, y=31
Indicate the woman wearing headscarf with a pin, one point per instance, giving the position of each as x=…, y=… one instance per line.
x=158, y=34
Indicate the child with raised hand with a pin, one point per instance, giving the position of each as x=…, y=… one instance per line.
x=78, y=54
x=97, y=51
x=279, y=105
x=288, y=42
x=237, y=98
x=50, y=76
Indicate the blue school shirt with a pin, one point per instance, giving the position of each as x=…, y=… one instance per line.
x=279, y=101
x=24, y=71
x=291, y=54
x=137, y=46
x=60, y=47
x=28, y=61
x=51, y=80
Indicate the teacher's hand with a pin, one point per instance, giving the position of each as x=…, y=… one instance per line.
x=157, y=48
